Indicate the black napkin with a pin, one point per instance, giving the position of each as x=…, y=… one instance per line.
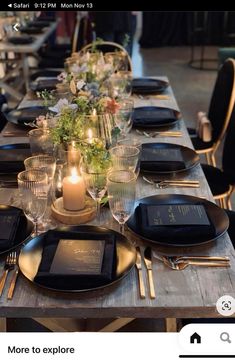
x=9, y=222
x=173, y=234
x=152, y=115
x=12, y=160
x=18, y=40
x=48, y=84
x=25, y=115
x=161, y=160
x=77, y=281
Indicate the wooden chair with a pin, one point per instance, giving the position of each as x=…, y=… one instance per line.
x=220, y=110
x=108, y=46
x=222, y=182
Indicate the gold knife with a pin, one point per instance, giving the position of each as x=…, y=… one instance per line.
x=138, y=265
x=148, y=264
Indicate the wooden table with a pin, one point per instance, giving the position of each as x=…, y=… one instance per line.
x=191, y=293
x=24, y=51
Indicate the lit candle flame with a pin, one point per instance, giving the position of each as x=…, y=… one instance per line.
x=74, y=175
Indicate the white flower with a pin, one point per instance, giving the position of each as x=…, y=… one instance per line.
x=62, y=76
x=85, y=58
x=41, y=121
x=75, y=68
x=80, y=84
x=62, y=103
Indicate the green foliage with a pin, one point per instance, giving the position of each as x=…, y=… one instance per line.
x=96, y=156
x=69, y=126
x=47, y=96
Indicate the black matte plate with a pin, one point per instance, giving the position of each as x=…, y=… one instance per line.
x=216, y=214
x=190, y=157
x=31, y=30
x=148, y=86
x=42, y=84
x=39, y=24
x=21, y=39
x=30, y=256
x=12, y=158
x=25, y=115
x=24, y=229
x=164, y=122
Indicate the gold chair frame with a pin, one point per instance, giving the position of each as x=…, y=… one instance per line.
x=118, y=46
x=210, y=152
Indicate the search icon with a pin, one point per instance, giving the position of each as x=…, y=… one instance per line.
x=224, y=336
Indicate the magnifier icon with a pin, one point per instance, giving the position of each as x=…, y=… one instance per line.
x=224, y=336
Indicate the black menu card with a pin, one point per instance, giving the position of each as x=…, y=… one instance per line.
x=177, y=215
x=78, y=257
x=161, y=155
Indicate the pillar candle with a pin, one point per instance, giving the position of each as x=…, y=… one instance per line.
x=74, y=191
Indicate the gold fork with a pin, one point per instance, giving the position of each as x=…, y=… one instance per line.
x=10, y=263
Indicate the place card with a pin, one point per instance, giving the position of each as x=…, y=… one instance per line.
x=80, y=257
x=177, y=215
x=161, y=155
x=158, y=114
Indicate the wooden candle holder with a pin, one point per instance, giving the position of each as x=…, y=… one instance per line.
x=74, y=217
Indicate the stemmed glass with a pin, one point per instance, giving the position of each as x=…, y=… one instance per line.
x=121, y=193
x=46, y=163
x=96, y=183
x=123, y=116
x=33, y=187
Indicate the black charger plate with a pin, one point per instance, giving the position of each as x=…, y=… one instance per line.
x=149, y=110
x=190, y=157
x=31, y=253
x=148, y=85
x=24, y=229
x=25, y=115
x=217, y=216
x=12, y=158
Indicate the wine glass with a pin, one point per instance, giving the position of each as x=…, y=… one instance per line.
x=46, y=163
x=123, y=116
x=96, y=183
x=121, y=186
x=33, y=187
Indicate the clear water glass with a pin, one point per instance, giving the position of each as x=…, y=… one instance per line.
x=96, y=184
x=40, y=141
x=121, y=193
x=125, y=157
x=123, y=116
x=33, y=187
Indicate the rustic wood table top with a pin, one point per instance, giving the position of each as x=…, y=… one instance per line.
x=192, y=292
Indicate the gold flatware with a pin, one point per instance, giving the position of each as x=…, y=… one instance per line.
x=193, y=258
x=148, y=264
x=177, y=259
x=10, y=263
x=163, y=133
x=179, y=266
x=138, y=265
x=172, y=183
x=156, y=96
x=13, y=282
